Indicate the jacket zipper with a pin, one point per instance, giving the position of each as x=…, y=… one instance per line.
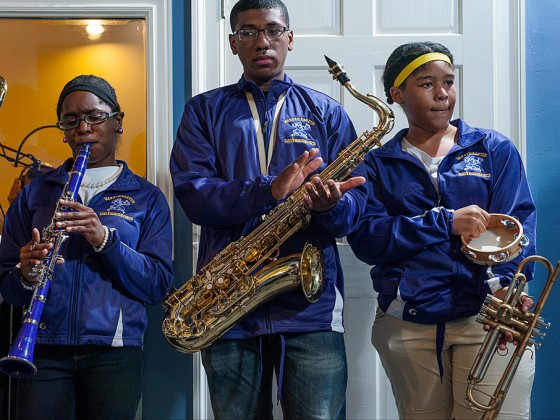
x=73, y=334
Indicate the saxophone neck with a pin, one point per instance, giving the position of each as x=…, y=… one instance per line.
x=385, y=114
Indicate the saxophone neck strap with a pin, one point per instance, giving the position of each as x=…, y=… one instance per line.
x=264, y=157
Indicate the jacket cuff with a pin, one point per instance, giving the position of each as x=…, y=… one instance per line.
x=497, y=283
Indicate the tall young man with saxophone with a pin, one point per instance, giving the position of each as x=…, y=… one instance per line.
x=240, y=151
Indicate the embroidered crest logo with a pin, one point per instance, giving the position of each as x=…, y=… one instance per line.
x=301, y=131
x=119, y=205
x=473, y=164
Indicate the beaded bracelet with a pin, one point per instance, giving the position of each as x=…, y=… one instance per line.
x=23, y=281
x=25, y=284
x=105, y=240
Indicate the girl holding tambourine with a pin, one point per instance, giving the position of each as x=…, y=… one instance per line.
x=434, y=182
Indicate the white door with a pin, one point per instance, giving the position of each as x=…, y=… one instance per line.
x=485, y=38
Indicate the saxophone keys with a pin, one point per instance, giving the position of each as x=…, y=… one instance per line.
x=252, y=255
x=222, y=283
x=197, y=328
x=246, y=285
x=202, y=298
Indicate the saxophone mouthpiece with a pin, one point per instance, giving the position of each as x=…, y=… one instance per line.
x=337, y=72
x=330, y=62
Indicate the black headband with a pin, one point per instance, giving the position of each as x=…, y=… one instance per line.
x=88, y=88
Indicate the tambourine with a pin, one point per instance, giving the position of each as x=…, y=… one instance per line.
x=502, y=241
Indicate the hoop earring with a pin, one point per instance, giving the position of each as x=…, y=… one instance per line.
x=119, y=131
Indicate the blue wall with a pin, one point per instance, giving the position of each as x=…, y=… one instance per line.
x=543, y=110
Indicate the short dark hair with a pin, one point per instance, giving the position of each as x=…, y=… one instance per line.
x=244, y=5
x=403, y=56
x=90, y=83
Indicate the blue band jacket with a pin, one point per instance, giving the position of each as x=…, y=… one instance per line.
x=95, y=298
x=218, y=182
x=419, y=271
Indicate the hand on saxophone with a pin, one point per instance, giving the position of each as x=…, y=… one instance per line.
x=525, y=303
x=322, y=197
x=82, y=220
x=294, y=175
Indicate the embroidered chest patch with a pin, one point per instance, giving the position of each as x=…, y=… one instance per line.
x=118, y=205
x=301, y=130
x=472, y=164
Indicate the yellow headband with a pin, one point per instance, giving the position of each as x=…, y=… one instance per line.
x=417, y=62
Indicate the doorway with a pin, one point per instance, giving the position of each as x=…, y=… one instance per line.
x=485, y=37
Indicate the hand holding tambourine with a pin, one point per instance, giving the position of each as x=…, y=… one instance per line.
x=502, y=241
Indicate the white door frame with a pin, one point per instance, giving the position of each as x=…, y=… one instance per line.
x=159, y=115
x=208, y=42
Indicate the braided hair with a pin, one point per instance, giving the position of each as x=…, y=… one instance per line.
x=404, y=55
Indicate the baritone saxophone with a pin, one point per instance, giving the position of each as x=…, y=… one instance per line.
x=227, y=288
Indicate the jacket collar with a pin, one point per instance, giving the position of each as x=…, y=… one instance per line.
x=126, y=181
x=277, y=87
x=467, y=137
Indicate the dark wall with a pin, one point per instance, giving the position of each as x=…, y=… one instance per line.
x=543, y=106
x=168, y=372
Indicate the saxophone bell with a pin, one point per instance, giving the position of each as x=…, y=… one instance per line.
x=504, y=316
x=196, y=317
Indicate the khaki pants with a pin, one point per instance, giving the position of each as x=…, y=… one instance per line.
x=408, y=354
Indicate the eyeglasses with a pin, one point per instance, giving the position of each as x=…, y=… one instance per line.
x=92, y=119
x=250, y=34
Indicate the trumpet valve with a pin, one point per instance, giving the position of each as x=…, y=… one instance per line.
x=505, y=312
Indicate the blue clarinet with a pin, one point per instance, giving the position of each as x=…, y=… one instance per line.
x=19, y=361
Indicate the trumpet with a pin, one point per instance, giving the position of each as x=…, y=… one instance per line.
x=505, y=316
